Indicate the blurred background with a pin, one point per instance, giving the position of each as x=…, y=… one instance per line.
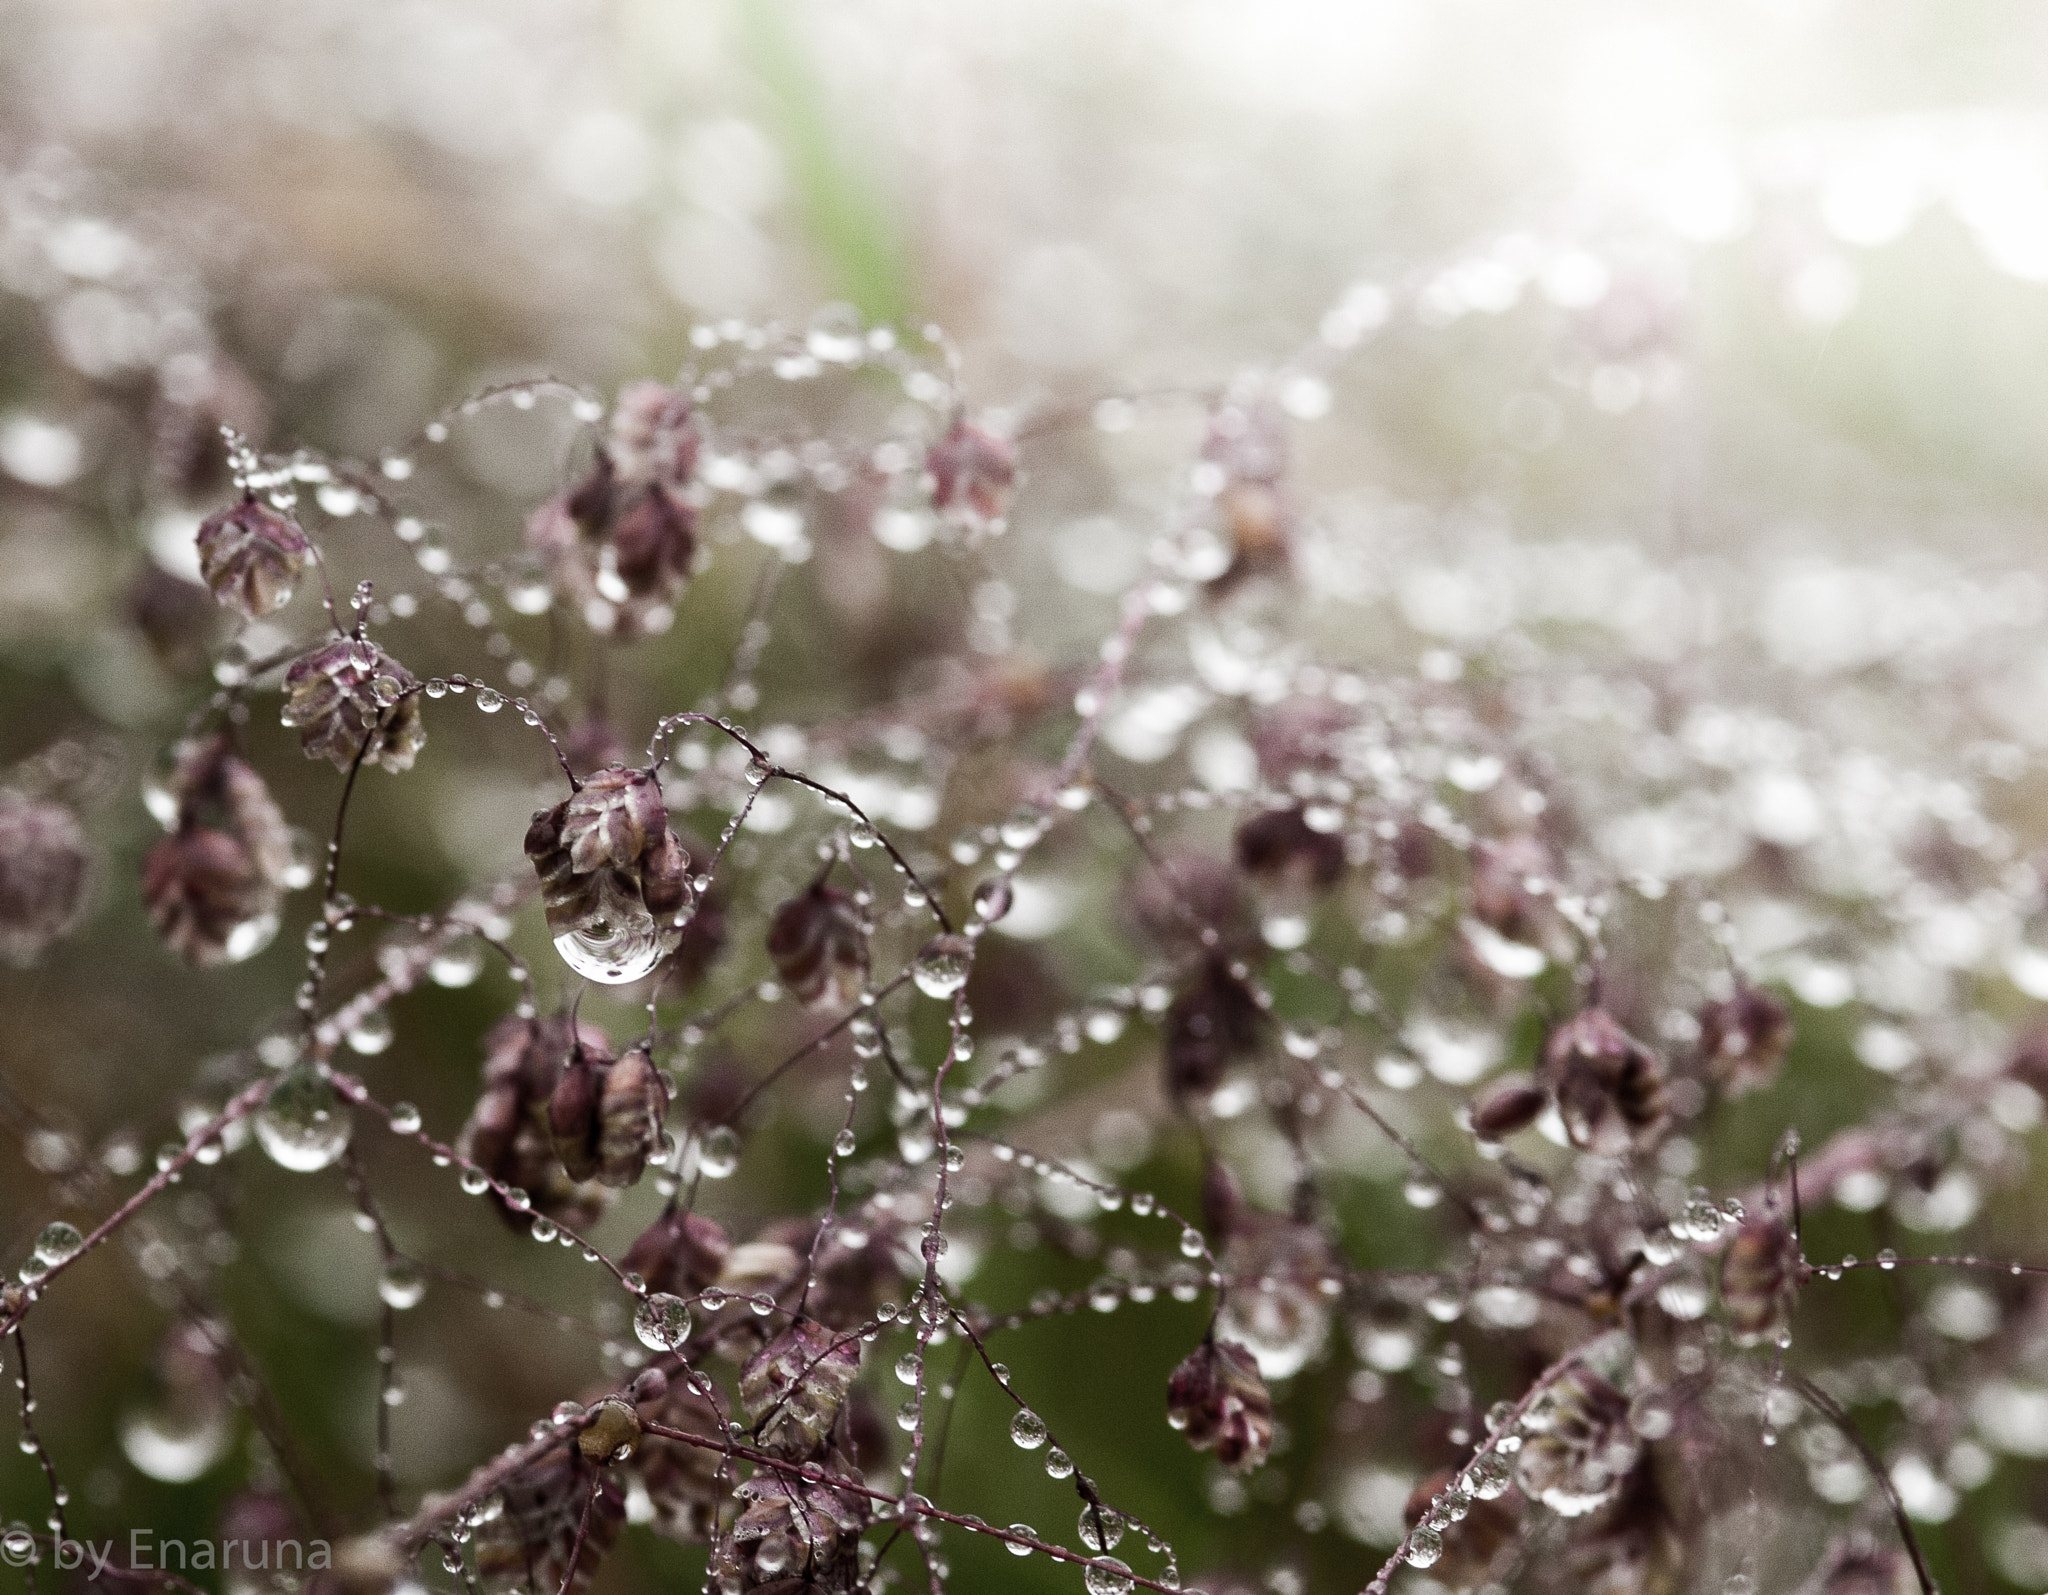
x=1739, y=309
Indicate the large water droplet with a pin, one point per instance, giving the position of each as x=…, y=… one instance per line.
x=618, y=941
x=173, y=1447
x=941, y=969
x=1488, y=1478
x=663, y=1322
x=1425, y=1548
x=992, y=899
x=718, y=1154
x=457, y=964
x=402, y=1284
x=249, y=938
x=1028, y=1429
x=301, y=1125
x=1101, y=1529
x=58, y=1243
x=372, y=1034
x=1107, y=1577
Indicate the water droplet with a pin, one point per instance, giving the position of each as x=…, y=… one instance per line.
x=1058, y=1465
x=1191, y=1243
x=301, y=1124
x=488, y=701
x=1422, y=1193
x=1488, y=1478
x=718, y=1154
x=402, y=1284
x=662, y=1323
x=941, y=969
x=1887, y=1259
x=303, y=860
x=475, y=1182
x=843, y=1144
x=1425, y=1547
x=1027, y=1430
x=405, y=1119
x=618, y=941
x=992, y=899
x=1107, y=1577
x=58, y=1243
x=457, y=964
x=1101, y=1529
x=371, y=1034
x=176, y=1447
x=1012, y=1546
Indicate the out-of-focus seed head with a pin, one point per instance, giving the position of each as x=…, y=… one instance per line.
x=1217, y=1399
x=1744, y=1039
x=1855, y=1566
x=1215, y=1021
x=630, y=1114
x=1609, y=1086
x=620, y=545
x=252, y=557
x=2029, y=1061
x=212, y=785
x=1301, y=734
x=1192, y=905
x=1247, y=445
x=573, y=1115
x=654, y=539
x=1280, y=845
x=177, y=616
x=1510, y=879
x=348, y=693
x=44, y=868
x=207, y=898
x=655, y=436
x=818, y=944
x=1223, y=1203
x=1580, y=1446
x=973, y=473
x=510, y=1132
x=1759, y=1272
x=679, y=1253
x=1511, y=1103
